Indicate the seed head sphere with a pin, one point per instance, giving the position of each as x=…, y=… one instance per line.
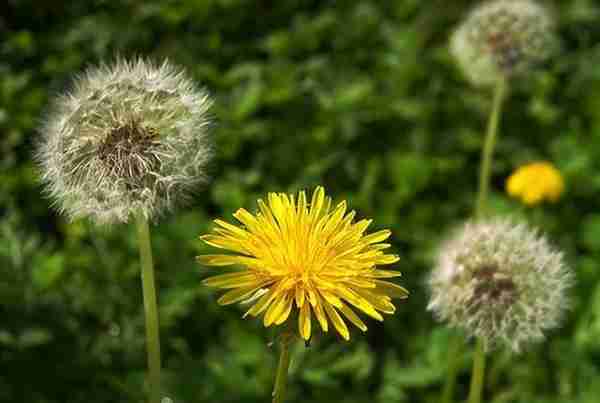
x=501, y=282
x=129, y=137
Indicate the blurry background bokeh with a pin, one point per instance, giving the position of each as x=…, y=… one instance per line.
x=359, y=96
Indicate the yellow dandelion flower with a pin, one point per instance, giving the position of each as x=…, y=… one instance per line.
x=533, y=183
x=305, y=257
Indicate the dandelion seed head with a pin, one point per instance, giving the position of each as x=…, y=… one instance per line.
x=501, y=282
x=129, y=136
x=304, y=258
x=502, y=39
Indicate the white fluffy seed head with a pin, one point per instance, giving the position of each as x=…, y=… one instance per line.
x=500, y=39
x=130, y=136
x=501, y=282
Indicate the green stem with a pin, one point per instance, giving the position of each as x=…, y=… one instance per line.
x=150, y=307
x=488, y=149
x=453, y=360
x=282, y=369
x=478, y=372
x=485, y=171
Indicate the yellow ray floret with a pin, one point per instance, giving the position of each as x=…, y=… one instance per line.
x=304, y=258
x=533, y=183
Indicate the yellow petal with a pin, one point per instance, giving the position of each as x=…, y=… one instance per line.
x=376, y=237
x=369, y=255
x=360, y=282
x=230, y=280
x=349, y=253
x=383, y=274
x=342, y=234
x=237, y=295
x=312, y=297
x=316, y=204
x=359, y=302
x=285, y=313
x=276, y=206
x=243, y=216
x=238, y=232
x=379, y=246
x=334, y=220
x=320, y=314
x=274, y=310
x=352, y=317
x=361, y=226
x=228, y=260
x=391, y=289
x=302, y=203
x=347, y=221
x=331, y=299
x=304, y=321
x=266, y=213
x=380, y=302
x=224, y=243
x=261, y=304
x=299, y=297
x=217, y=260
x=387, y=259
x=255, y=296
x=337, y=321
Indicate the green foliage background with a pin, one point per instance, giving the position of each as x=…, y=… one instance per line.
x=360, y=96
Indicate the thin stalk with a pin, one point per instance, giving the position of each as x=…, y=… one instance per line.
x=478, y=373
x=453, y=360
x=487, y=154
x=282, y=369
x=488, y=149
x=485, y=171
x=150, y=307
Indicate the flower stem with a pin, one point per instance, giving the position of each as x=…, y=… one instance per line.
x=282, y=369
x=487, y=153
x=478, y=372
x=485, y=171
x=150, y=307
x=453, y=359
x=488, y=149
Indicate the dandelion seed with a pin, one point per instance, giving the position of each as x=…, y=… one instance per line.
x=131, y=136
x=533, y=183
x=503, y=38
x=304, y=256
x=500, y=282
